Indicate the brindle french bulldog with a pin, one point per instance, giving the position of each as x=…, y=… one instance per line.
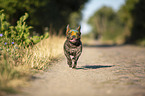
x=72, y=46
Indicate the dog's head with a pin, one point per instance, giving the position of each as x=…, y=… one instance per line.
x=73, y=35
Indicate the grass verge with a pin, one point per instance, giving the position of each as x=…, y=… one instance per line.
x=17, y=68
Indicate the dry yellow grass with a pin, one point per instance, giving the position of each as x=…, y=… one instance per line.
x=44, y=52
x=14, y=72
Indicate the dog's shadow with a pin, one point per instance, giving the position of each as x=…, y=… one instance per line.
x=86, y=67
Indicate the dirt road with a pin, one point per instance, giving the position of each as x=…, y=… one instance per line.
x=102, y=71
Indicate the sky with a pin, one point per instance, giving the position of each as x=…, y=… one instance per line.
x=94, y=5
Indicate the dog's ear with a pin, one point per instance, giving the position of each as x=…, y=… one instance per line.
x=67, y=29
x=79, y=29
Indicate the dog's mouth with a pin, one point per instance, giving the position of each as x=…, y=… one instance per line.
x=73, y=40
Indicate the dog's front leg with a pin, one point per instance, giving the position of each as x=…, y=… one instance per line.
x=69, y=61
x=76, y=59
x=77, y=55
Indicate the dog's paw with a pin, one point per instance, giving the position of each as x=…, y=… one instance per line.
x=74, y=67
x=70, y=65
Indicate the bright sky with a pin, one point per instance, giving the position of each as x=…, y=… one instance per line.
x=92, y=6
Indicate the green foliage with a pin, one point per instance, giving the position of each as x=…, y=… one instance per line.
x=17, y=35
x=74, y=19
x=100, y=20
x=125, y=11
x=138, y=27
x=106, y=24
x=54, y=14
x=132, y=15
x=127, y=24
x=125, y=16
x=22, y=31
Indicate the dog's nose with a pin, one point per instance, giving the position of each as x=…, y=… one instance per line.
x=73, y=36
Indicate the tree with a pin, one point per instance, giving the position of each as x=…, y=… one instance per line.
x=53, y=14
x=138, y=27
x=127, y=24
x=105, y=24
x=125, y=16
x=132, y=15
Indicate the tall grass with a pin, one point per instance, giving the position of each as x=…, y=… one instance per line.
x=19, y=58
x=45, y=52
x=17, y=67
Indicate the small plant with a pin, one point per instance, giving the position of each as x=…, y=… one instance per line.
x=19, y=34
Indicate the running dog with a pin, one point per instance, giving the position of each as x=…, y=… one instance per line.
x=73, y=46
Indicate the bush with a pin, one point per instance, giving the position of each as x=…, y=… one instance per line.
x=17, y=35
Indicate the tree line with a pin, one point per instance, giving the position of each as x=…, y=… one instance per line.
x=44, y=15
x=124, y=26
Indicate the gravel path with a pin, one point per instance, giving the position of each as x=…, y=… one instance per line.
x=101, y=71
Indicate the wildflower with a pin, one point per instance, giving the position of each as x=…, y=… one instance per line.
x=1, y=35
x=12, y=42
x=5, y=43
